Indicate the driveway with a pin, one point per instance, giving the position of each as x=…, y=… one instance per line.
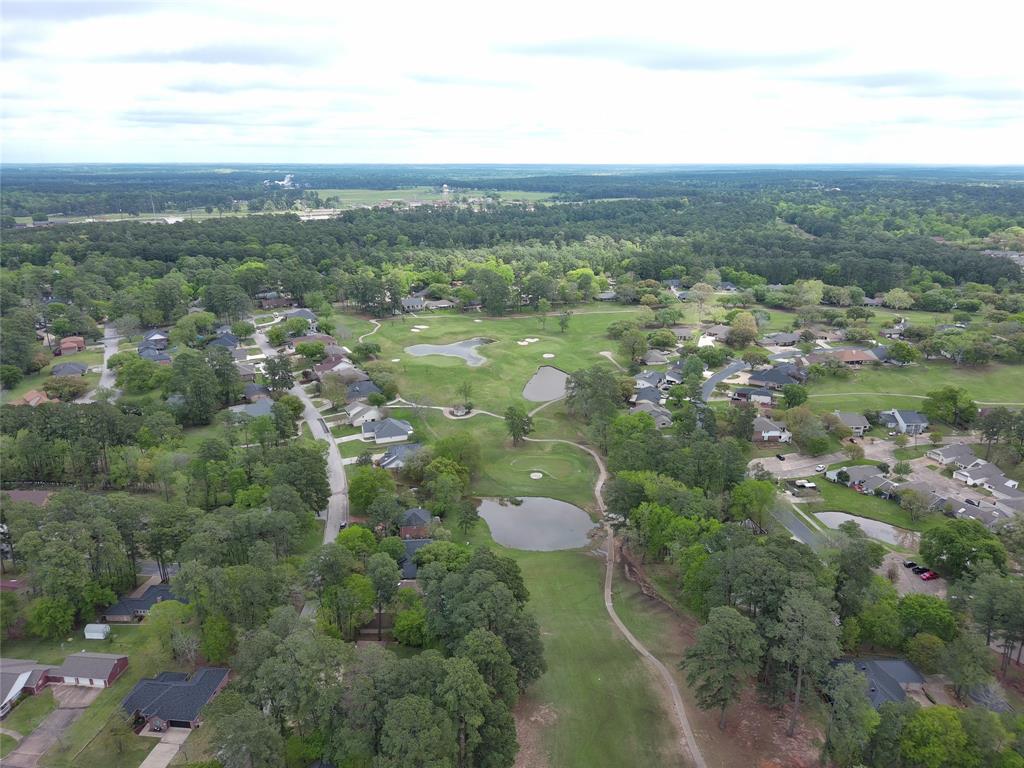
x=796, y=464
x=108, y=379
x=72, y=701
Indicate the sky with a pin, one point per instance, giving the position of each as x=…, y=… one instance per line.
x=559, y=81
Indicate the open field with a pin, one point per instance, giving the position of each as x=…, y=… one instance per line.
x=569, y=473
x=881, y=388
x=356, y=197
x=435, y=380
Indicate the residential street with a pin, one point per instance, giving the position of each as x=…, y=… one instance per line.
x=107, y=378
x=337, y=507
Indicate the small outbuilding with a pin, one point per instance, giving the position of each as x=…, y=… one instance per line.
x=97, y=631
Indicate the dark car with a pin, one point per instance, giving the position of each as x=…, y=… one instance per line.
x=973, y=502
x=909, y=564
x=919, y=569
x=780, y=457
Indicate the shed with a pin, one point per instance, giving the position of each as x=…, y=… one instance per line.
x=97, y=631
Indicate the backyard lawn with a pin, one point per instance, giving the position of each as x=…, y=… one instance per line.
x=36, y=380
x=30, y=711
x=839, y=498
x=882, y=388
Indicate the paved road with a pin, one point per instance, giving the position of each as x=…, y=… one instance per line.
x=337, y=506
x=107, y=378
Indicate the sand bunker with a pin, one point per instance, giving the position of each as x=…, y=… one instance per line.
x=548, y=383
x=421, y=327
x=414, y=330
x=547, y=355
x=396, y=359
x=536, y=475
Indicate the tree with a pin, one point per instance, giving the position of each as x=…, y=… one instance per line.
x=195, y=381
x=349, y=604
x=464, y=696
x=66, y=388
x=807, y=640
x=898, y=298
x=518, y=423
x=633, y=345
x=218, y=639
x=926, y=613
x=926, y=652
x=563, y=320
x=702, y=293
x=367, y=484
x=727, y=652
x=853, y=451
x=415, y=733
x=492, y=660
x=10, y=375
x=951, y=405
x=742, y=330
x=313, y=351
x=852, y=719
x=385, y=575
x=278, y=374
x=956, y=545
x=751, y=500
x=932, y=738
x=358, y=540
x=50, y=617
x=794, y=395
x=465, y=390
x=467, y=517
x=242, y=736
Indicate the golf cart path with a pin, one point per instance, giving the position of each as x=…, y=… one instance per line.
x=901, y=394
x=376, y=327
x=687, y=740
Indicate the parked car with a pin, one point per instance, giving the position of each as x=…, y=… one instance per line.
x=909, y=564
x=820, y=468
x=805, y=484
x=973, y=502
x=919, y=569
x=892, y=434
x=929, y=575
x=780, y=457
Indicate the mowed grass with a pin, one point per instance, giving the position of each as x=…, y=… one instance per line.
x=30, y=711
x=435, y=380
x=884, y=387
x=353, y=197
x=836, y=497
x=36, y=380
x=569, y=473
x=598, y=701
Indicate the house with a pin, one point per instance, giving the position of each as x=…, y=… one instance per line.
x=854, y=357
x=246, y=372
x=868, y=301
x=756, y=395
x=895, y=332
x=360, y=390
x=227, y=340
x=155, y=355
x=684, y=334
x=253, y=392
x=776, y=378
x=408, y=564
x=129, y=609
x=606, y=296
x=68, y=369
x=340, y=365
x=323, y=338
x=361, y=413
x=70, y=345
x=718, y=332
x=413, y=303
x=662, y=417
x=767, y=431
x=155, y=338
x=32, y=398
x=858, y=475
x=387, y=431
x=273, y=300
x=890, y=680
x=726, y=287
x=988, y=476
x=435, y=304
x=90, y=670
x=305, y=314
x=18, y=678
x=646, y=395
x=904, y=422
x=172, y=699
x=855, y=422
x=97, y=631
x=262, y=407
x=646, y=379
x=416, y=523
x=655, y=357
x=781, y=339
x=959, y=454
x=396, y=456
x=877, y=485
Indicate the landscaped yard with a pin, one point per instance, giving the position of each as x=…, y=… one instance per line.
x=36, y=380
x=839, y=498
x=885, y=387
x=30, y=711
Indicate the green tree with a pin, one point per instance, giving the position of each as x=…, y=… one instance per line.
x=50, y=618
x=416, y=734
x=358, y=540
x=367, y=484
x=968, y=661
x=278, y=374
x=10, y=376
x=926, y=652
x=193, y=378
x=468, y=517
x=242, y=736
x=852, y=719
x=794, y=395
x=727, y=652
x=742, y=330
x=465, y=697
x=313, y=351
x=751, y=500
x=926, y=613
x=633, y=345
x=218, y=641
x=956, y=545
x=806, y=640
x=385, y=575
x=518, y=423
x=951, y=405
x=492, y=660
x=563, y=320
x=349, y=604
x=933, y=738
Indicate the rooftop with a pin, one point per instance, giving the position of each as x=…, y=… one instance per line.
x=170, y=696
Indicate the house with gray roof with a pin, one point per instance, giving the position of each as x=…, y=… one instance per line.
x=662, y=416
x=396, y=456
x=91, y=670
x=227, y=340
x=68, y=369
x=646, y=394
x=889, y=679
x=305, y=314
x=172, y=699
x=413, y=304
x=756, y=395
x=408, y=564
x=262, y=407
x=780, y=339
x=855, y=422
x=253, y=392
x=858, y=474
x=416, y=523
x=387, y=431
x=137, y=608
x=905, y=422
x=655, y=357
x=649, y=379
x=718, y=332
x=959, y=454
x=155, y=355
x=360, y=390
x=768, y=431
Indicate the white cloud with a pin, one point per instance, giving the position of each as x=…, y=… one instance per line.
x=244, y=80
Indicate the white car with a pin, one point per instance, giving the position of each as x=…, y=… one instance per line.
x=820, y=468
x=805, y=484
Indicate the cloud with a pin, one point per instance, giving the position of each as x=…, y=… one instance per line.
x=658, y=56
x=170, y=117
x=246, y=54
x=69, y=10
x=921, y=85
x=463, y=81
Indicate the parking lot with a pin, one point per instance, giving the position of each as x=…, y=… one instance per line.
x=907, y=582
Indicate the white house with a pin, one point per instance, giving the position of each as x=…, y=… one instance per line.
x=387, y=431
x=855, y=422
x=767, y=431
x=905, y=422
x=989, y=477
x=361, y=413
x=959, y=454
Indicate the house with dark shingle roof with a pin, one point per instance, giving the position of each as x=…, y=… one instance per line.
x=857, y=423
x=413, y=303
x=646, y=394
x=68, y=369
x=262, y=407
x=408, y=564
x=91, y=670
x=173, y=700
x=904, y=422
x=253, y=392
x=397, y=455
x=888, y=679
x=155, y=355
x=775, y=378
x=416, y=523
x=227, y=340
x=137, y=608
x=387, y=430
x=360, y=390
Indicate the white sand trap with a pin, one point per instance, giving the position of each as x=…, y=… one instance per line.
x=533, y=341
x=414, y=330
x=536, y=475
x=421, y=327
x=478, y=321
x=396, y=359
x=548, y=383
x=522, y=343
x=547, y=355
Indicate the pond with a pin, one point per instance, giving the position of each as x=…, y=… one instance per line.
x=548, y=383
x=536, y=523
x=466, y=349
x=873, y=528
